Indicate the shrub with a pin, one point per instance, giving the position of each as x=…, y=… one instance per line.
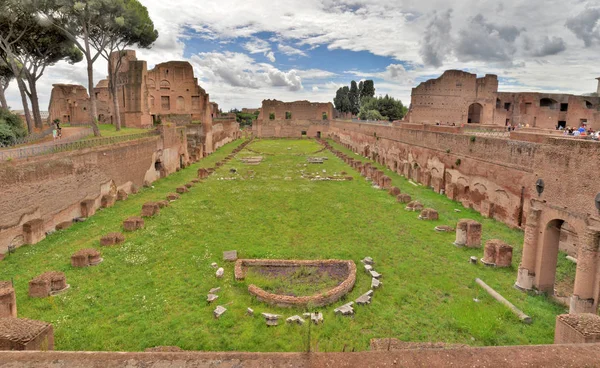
x=11, y=127
x=288, y=115
x=472, y=139
x=457, y=163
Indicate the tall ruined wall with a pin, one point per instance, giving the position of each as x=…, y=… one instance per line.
x=51, y=187
x=69, y=103
x=528, y=108
x=224, y=132
x=447, y=99
x=291, y=128
x=299, y=110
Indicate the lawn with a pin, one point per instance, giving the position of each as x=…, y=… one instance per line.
x=108, y=130
x=151, y=290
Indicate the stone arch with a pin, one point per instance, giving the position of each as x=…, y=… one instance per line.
x=475, y=113
x=165, y=85
x=151, y=84
x=540, y=253
x=180, y=103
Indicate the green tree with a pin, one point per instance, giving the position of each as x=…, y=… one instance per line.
x=368, y=89
x=389, y=108
x=11, y=127
x=354, y=98
x=41, y=47
x=91, y=25
x=370, y=115
x=132, y=27
x=6, y=76
x=14, y=26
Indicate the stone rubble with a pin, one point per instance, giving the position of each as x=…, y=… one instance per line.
x=375, y=283
x=271, y=319
x=368, y=261
x=214, y=290
x=220, y=272
x=345, y=310
x=375, y=274
x=211, y=298
x=296, y=319
x=218, y=312
x=316, y=318
x=365, y=298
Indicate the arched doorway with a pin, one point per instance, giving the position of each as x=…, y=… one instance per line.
x=475, y=112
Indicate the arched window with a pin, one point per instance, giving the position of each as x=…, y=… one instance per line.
x=475, y=111
x=165, y=85
x=151, y=84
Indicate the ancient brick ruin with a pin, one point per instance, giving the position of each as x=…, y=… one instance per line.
x=459, y=97
x=292, y=119
x=85, y=258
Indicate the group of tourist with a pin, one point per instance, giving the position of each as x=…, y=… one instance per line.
x=580, y=132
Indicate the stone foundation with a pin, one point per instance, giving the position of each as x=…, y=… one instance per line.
x=497, y=253
x=577, y=328
x=403, y=198
x=150, y=209
x=85, y=258
x=429, y=214
x=108, y=201
x=133, y=223
x=468, y=233
x=46, y=284
x=25, y=334
x=112, y=239
x=33, y=231
x=325, y=298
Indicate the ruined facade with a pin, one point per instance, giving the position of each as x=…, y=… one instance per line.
x=461, y=98
x=169, y=91
x=292, y=119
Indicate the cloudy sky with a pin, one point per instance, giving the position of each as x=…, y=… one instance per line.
x=250, y=50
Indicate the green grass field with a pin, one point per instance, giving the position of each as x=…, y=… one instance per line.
x=151, y=290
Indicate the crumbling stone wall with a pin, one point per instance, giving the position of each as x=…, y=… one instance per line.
x=69, y=178
x=291, y=119
x=69, y=103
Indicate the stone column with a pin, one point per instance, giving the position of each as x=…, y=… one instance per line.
x=582, y=300
x=8, y=300
x=526, y=273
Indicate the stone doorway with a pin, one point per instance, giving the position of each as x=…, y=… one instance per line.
x=475, y=112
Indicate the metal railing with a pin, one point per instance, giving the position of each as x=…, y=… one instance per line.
x=75, y=143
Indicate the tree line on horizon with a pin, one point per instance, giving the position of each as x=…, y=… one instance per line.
x=36, y=34
x=359, y=100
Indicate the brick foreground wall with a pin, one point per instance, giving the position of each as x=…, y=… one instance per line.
x=547, y=356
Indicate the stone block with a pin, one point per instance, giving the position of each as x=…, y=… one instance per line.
x=133, y=223
x=429, y=214
x=394, y=191
x=182, y=190
x=385, y=182
x=403, y=198
x=487, y=209
x=295, y=319
x=48, y=283
x=150, y=209
x=134, y=189
x=25, y=334
x=88, y=208
x=582, y=328
x=108, y=201
x=444, y=229
x=230, y=256
x=218, y=312
x=64, y=225
x=33, y=231
x=189, y=185
x=365, y=298
x=220, y=272
x=315, y=318
x=163, y=204
x=8, y=300
x=497, y=253
x=122, y=195
x=375, y=283
x=368, y=261
x=112, y=239
x=211, y=298
x=414, y=206
x=468, y=233
x=85, y=258
x=172, y=197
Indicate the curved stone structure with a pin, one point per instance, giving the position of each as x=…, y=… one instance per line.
x=317, y=300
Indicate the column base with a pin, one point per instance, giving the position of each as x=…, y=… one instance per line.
x=578, y=305
x=525, y=279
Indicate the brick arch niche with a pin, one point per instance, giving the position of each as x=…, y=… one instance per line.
x=475, y=113
x=540, y=252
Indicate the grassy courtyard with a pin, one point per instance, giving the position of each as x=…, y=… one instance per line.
x=151, y=290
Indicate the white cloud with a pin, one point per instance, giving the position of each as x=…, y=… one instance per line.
x=290, y=51
x=398, y=29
